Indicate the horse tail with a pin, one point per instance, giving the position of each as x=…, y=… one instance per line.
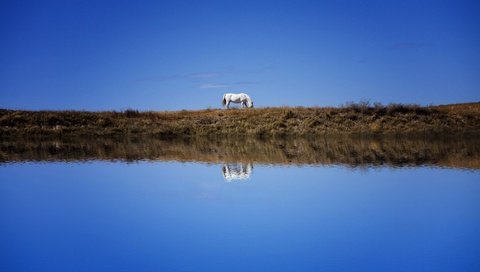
x=224, y=101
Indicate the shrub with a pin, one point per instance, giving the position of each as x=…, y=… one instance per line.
x=132, y=113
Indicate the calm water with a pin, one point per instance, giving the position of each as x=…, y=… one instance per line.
x=192, y=216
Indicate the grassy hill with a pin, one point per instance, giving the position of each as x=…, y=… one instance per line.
x=360, y=118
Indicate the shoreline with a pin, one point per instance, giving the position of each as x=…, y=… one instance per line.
x=459, y=153
x=353, y=119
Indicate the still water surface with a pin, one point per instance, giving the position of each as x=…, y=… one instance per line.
x=97, y=215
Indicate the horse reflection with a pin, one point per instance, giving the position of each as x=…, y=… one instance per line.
x=237, y=171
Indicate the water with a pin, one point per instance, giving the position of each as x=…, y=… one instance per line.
x=110, y=212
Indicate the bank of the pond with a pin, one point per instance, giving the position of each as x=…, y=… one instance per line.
x=457, y=152
x=359, y=118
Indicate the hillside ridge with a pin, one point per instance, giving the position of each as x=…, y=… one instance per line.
x=353, y=118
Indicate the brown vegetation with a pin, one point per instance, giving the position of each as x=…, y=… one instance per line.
x=360, y=118
x=350, y=151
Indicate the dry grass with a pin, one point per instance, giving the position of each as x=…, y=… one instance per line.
x=350, y=151
x=353, y=118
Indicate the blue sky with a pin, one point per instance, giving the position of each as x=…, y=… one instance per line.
x=169, y=55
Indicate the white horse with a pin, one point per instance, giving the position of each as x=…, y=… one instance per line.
x=237, y=98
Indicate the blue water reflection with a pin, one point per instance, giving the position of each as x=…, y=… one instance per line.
x=103, y=216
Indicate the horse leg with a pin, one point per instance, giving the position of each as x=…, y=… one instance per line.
x=228, y=104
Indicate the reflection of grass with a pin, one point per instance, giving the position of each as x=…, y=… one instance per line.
x=351, y=151
x=359, y=118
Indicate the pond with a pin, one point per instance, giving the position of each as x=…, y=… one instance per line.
x=263, y=205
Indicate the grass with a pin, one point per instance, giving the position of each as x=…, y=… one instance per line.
x=352, y=118
x=456, y=152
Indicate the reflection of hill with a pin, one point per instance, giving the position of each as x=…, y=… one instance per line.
x=457, y=152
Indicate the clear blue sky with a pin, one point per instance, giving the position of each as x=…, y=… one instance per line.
x=167, y=55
